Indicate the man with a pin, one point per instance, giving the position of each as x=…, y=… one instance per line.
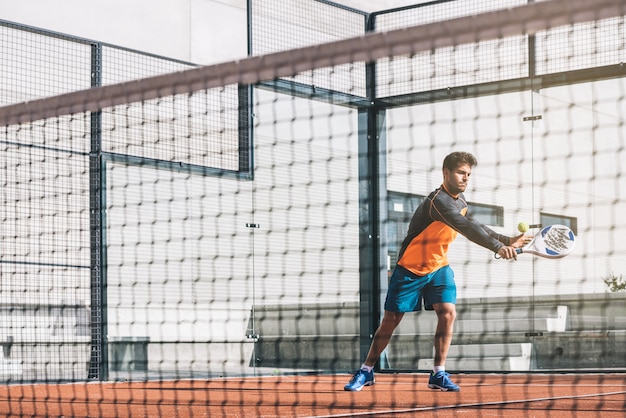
x=422, y=273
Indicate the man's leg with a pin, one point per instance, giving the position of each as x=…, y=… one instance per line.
x=439, y=379
x=446, y=314
x=365, y=375
x=383, y=334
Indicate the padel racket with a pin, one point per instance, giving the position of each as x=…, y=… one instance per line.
x=554, y=241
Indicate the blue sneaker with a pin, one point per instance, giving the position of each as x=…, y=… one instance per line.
x=360, y=379
x=442, y=381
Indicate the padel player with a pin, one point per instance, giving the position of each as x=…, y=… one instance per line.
x=422, y=275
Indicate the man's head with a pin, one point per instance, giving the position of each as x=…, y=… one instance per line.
x=457, y=169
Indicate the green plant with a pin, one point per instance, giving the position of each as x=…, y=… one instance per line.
x=615, y=283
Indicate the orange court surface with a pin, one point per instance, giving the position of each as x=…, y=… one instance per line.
x=397, y=395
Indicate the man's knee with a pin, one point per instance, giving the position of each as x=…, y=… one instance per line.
x=445, y=311
x=392, y=318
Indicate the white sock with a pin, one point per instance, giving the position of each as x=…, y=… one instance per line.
x=438, y=369
x=367, y=368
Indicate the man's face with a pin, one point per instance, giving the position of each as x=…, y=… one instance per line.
x=457, y=179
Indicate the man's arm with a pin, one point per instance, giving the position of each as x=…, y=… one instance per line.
x=444, y=209
x=506, y=240
x=517, y=241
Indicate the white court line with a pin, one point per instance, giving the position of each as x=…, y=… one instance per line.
x=467, y=405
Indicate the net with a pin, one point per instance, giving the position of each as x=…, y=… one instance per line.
x=197, y=227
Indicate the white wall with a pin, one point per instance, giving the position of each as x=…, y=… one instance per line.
x=200, y=31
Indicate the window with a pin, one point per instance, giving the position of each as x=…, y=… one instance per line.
x=552, y=219
x=486, y=214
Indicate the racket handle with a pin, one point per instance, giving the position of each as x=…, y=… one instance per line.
x=517, y=250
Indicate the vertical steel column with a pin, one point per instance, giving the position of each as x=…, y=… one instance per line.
x=246, y=107
x=245, y=130
x=373, y=210
x=98, y=369
x=372, y=234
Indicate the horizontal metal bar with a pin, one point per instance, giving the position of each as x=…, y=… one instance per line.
x=34, y=263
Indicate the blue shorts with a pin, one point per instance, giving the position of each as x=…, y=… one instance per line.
x=408, y=291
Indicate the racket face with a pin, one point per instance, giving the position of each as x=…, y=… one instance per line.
x=554, y=241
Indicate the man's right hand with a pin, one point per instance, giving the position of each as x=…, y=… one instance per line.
x=507, y=252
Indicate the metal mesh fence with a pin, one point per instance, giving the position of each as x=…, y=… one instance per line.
x=156, y=229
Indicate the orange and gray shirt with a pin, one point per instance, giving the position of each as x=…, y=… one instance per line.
x=434, y=225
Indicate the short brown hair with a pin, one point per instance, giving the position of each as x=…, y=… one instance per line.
x=452, y=161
